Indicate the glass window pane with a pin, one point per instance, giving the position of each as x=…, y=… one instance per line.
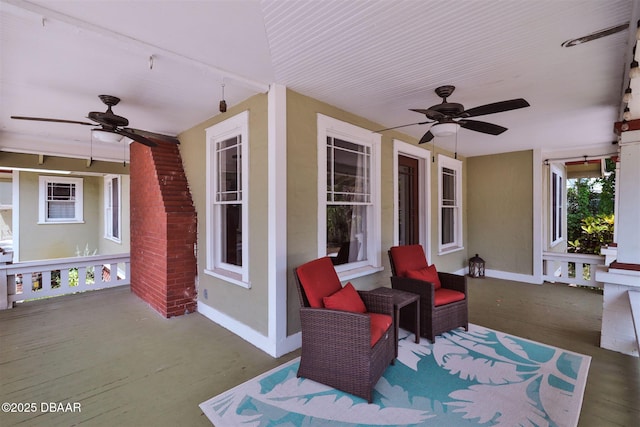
x=61, y=210
x=348, y=172
x=448, y=187
x=231, y=233
x=229, y=166
x=346, y=233
x=115, y=211
x=448, y=225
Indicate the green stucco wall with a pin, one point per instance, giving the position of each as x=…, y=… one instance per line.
x=63, y=240
x=500, y=207
x=248, y=306
x=46, y=241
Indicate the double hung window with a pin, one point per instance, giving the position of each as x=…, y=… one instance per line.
x=60, y=200
x=450, y=201
x=227, y=213
x=112, y=202
x=349, y=208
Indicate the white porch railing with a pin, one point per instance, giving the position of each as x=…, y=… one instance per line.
x=573, y=269
x=46, y=278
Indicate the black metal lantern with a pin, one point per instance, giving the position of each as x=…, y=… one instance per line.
x=476, y=266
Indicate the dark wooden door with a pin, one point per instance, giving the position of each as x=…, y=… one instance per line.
x=408, y=201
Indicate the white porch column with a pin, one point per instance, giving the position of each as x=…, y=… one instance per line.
x=623, y=275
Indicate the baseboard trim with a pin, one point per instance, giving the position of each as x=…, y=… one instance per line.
x=253, y=337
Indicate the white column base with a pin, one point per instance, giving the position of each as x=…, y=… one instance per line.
x=618, y=331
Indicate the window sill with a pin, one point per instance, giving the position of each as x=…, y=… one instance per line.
x=60, y=222
x=450, y=250
x=358, y=272
x=113, y=239
x=228, y=276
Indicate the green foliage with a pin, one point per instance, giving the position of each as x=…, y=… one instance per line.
x=596, y=231
x=590, y=207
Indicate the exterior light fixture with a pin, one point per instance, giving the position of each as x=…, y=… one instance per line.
x=223, y=103
x=634, y=70
x=476, y=266
x=627, y=97
x=626, y=115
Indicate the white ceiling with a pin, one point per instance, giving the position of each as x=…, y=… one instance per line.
x=374, y=58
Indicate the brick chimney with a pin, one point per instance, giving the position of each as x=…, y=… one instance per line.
x=163, y=230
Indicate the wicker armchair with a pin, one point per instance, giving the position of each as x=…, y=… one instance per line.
x=442, y=308
x=347, y=350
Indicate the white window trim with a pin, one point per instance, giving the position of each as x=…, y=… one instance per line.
x=457, y=244
x=330, y=127
x=108, y=226
x=237, y=125
x=560, y=171
x=43, y=181
x=401, y=148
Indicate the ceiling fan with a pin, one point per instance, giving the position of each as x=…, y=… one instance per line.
x=111, y=123
x=448, y=116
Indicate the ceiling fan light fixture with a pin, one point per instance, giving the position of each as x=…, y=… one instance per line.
x=445, y=129
x=103, y=136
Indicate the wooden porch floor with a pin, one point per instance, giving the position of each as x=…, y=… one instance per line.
x=128, y=366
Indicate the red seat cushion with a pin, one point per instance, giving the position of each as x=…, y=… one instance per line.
x=379, y=325
x=426, y=274
x=407, y=258
x=346, y=299
x=446, y=296
x=318, y=279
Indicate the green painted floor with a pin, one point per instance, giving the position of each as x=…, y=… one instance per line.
x=127, y=366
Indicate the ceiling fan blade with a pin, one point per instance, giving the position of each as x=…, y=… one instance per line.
x=401, y=126
x=496, y=107
x=426, y=137
x=483, y=127
x=148, y=134
x=431, y=114
x=43, y=119
x=137, y=138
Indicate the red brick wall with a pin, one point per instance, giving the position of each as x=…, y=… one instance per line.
x=163, y=230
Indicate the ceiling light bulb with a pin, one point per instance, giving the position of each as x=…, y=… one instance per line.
x=627, y=114
x=634, y=72
x=445, y=129
x=627, y=97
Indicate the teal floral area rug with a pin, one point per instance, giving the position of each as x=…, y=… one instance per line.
x=477, y=378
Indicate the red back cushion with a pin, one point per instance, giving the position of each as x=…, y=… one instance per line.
x=426, y=274
x=406, y=258
x=318, y=279
x=346, y=299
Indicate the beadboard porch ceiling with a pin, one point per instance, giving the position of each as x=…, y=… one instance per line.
x=167, y=61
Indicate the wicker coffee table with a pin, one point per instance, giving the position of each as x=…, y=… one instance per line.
x=402, y=299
